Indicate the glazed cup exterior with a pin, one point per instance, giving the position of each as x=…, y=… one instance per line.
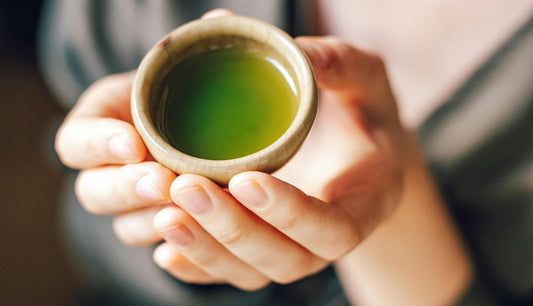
x=202, y=36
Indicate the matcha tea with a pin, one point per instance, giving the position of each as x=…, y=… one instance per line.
x=226, y=104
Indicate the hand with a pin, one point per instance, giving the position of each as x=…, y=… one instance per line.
x=343, y=183
x=348, y=168
x=117, y=177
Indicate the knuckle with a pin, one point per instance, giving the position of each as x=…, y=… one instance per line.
x=342, y=244
x=230, y=235
x=205, y=259
x=124, y=186
x=290, y=220
x=330, y=58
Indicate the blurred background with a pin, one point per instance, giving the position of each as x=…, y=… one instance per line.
x=34, y=268
x=33, y=265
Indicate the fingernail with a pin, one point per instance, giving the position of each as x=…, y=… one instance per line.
x=195, y=200
x=120, y=147
x=178, y=235
x=148, y=190
x=217, y=13
x=251, y=194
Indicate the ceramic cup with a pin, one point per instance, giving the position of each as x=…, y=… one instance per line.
x=202, y=36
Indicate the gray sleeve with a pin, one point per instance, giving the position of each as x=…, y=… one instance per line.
x=82, y=41
x=480, y=147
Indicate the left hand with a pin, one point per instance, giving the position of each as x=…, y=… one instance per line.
x=342, y=184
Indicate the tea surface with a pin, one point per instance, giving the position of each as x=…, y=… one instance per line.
x=226, y=104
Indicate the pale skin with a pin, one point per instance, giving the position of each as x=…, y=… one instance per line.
x=357, y=194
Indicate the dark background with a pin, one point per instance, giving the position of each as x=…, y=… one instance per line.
x=33, y=264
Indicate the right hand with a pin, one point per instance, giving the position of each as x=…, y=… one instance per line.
x=117, y=175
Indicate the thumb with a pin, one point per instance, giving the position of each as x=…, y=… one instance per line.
x=358, y=76
x=340, y=66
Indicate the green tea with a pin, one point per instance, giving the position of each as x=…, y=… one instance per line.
x=226, y=103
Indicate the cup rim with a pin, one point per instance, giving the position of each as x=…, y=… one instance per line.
x=267, y=159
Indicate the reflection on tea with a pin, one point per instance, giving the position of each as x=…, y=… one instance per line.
x=226, y=103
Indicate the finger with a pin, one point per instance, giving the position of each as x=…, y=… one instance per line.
x=136, y=228
x=340, y=66
x=168, y=258
x=354, y=76
x=200, y=248
x=217, y=13
x=89, y=142
x=86, y=139
x=118, y=189
x=241, y=232
x=321, y=228
x=107, y=97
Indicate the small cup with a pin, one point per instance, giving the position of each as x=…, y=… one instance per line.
x=216, y=33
